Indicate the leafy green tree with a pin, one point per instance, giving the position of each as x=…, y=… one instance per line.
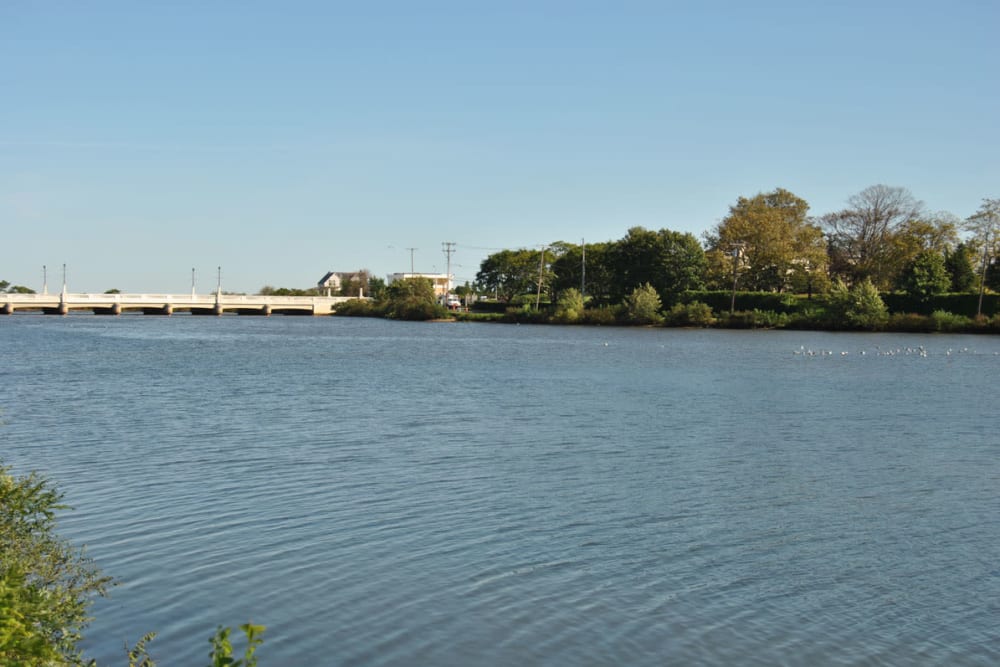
x=859, y=307
x=643, y=305
x=268, y=290
x=669, y=262
x=376, y=288
x=511, y=273
x=925, y=276
x=958, y=263
x=413, y=299
x=775, y=245
x=584, y=268
x=46, y=585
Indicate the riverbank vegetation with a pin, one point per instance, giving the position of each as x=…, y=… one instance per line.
x=882, y=263
x=47, y=586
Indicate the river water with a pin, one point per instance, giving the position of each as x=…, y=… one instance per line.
x=389, y=493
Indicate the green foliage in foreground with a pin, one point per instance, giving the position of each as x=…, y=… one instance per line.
x=46, y=584
x=47, y=587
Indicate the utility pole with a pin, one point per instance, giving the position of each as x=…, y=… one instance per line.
x=192, y=282
x=411, y=260
x=64, y=283
x=737, y=251
x=541, y=267
x=45, y=279
x=583, y=268
x=448, y=247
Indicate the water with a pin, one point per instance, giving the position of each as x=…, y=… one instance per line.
x=385, y=493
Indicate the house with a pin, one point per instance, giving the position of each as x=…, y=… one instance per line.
x=334, y=282
x=440, y=281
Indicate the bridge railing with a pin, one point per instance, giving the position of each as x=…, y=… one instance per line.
x=207, y=299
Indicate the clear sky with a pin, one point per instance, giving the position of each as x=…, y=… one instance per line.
x=279, y=140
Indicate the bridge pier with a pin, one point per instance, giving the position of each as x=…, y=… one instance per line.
x=61, y=309
x=113, y=309
x=7, y=309
x=165, y=309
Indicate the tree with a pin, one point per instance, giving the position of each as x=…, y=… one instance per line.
x=958, y=262
x=355, y=284
x=668, y=262
x=376, y=288
x=925, y=276
x=643, y=305
x=774, y=244
x=511, y=273
x=985, y=226
x=585, y=268
x=413, y=299
x=5, y=286
x=46, y=584
x=862, y=235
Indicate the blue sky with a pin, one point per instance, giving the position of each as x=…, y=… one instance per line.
x=139, y=140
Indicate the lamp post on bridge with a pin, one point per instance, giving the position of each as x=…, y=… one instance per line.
x=192, y=283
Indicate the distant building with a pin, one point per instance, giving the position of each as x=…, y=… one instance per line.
x=440, y=281
x=335, y=281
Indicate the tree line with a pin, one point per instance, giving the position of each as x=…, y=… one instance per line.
x=884, y=237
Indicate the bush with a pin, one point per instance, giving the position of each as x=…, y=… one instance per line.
x=46, y=584
x=859, y=307
x=359, y=308
x=601, y=316
x=569, y=306
x=525, y=314
x=949, y=322
x=694, y=314
x=413, y=299
x=754, y=319
x=910, y=322
x=643, y=306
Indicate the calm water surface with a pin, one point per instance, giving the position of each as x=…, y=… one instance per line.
x=384, y=493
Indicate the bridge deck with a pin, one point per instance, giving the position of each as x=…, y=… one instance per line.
x=166, y=304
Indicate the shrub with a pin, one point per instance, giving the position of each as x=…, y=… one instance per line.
x=949, y=322
x=643, y=306
x=601, y=316
x=859, y=307
x=46, y=584
x=569, y=306
x=911, y=322
x=754, y=319
x=413, y=299
x=694, y=314
x=359, y=308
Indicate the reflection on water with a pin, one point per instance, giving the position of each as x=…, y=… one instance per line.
x=450, y=494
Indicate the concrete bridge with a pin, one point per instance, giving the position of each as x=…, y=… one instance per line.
x=168, y=304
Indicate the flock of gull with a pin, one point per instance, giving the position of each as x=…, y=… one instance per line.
x=919, y=351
